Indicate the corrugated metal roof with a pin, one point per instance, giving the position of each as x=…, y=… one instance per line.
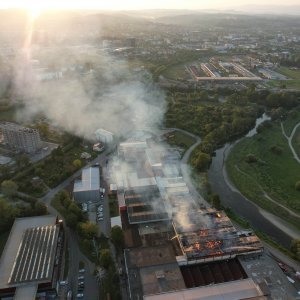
x=90, y=180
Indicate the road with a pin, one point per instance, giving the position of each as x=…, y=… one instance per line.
x=75, y=256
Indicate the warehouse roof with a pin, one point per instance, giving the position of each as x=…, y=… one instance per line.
x=15, y=239
x=234, y=290
x=36, y=255
x=90, y=180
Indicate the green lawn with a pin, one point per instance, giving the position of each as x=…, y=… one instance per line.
x=292, y=120
x=180, y=139
x=276, y=174
x=293, y=74
x=177, y=72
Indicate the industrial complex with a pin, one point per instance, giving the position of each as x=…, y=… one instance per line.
x=173, y=241
x=219, y=71
x=30, y=265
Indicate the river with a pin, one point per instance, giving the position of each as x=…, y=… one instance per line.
x=237, y=202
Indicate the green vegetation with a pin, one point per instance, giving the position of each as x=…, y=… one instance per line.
x=180, y=139
x=68, y=209
x=216, y=123
x=296, y=141
x=271, y=174
x=16, y=207
x=292, y=83
x=9, y=188
x=113, y=206
x=199, y=160
x=293, y=74
x=35, y=179
x=117, y=237
x=291, y=121
x=3, y=238
x=295, y=248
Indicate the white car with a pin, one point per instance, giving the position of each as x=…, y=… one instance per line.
x=79, y=295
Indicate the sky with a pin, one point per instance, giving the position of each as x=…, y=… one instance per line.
x=36, y=5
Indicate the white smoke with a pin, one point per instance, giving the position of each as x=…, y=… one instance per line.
x=110, y=97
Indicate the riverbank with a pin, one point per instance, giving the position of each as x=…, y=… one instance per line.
x=265, y=171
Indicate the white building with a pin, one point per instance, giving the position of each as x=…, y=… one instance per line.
x=104, y=136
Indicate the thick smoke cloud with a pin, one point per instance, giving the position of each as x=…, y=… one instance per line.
x=109, y=96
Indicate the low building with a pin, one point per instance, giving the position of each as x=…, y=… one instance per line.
x=31, y=260
x=88, y=187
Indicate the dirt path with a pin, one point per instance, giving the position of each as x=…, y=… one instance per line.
x=290, y=140
x=267, y=196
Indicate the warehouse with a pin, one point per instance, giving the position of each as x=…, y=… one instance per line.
x=88, y=187
x=31, y=260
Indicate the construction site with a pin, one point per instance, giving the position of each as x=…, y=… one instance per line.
x=174, y=242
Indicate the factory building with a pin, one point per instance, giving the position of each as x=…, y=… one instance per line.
x=30, y=265
x=20, y=138
x=88, y=187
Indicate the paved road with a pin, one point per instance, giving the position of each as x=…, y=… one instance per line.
x=75, y=256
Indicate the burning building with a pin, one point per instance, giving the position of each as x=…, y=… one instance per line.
x=208, y=235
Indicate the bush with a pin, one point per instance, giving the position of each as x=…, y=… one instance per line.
x=276, y=149
x=251, y=158
x=297, y=185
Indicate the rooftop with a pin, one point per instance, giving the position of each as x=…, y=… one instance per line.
x=36, y=255
x=235, y=290
x=90, y=180
x=11, y=250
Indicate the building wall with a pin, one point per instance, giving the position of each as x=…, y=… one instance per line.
x=21, y=138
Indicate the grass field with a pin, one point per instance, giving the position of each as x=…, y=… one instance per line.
x=291, y=121
x=296, y=142
x=293, y=74
x=274, y=174
x=292, y=83
x=177, y=72
x=180, y=139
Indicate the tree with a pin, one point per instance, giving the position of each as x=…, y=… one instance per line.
x=40, y=208
x=201, y=161
x=9, y=188
x=77, y=163
x=22, y=161
x=105, y=258
x=7, y=215
x=295, y=247
x=297, y=185
x=117, y=237
x=215, y=200
x=88, y=230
